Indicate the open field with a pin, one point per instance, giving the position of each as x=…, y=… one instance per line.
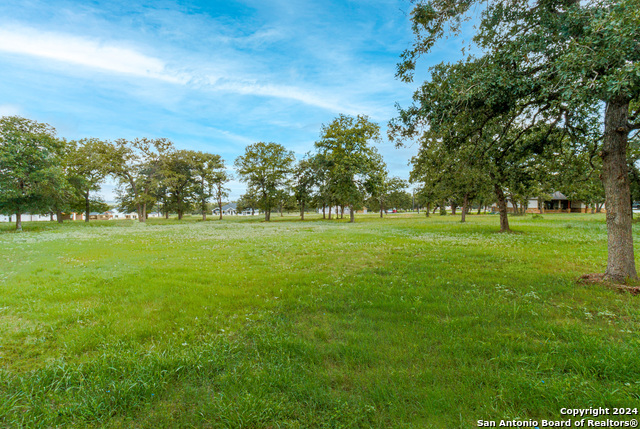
x=403, y=322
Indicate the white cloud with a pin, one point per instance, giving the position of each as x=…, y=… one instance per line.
x=85, y=52
x=120, y=58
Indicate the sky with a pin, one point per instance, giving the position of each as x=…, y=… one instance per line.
x=213, y=76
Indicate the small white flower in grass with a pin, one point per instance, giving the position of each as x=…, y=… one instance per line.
x=185, y=344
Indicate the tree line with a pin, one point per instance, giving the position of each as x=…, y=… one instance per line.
x=344, y=172
x=41, y=173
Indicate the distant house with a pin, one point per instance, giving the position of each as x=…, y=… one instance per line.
x=558, y=203
x=230, y=209
x=336, y=210
x=249, y=212
x=28, y=217
x=118, y=215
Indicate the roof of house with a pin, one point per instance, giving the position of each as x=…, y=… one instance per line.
x=558, y=196
x=232, y=206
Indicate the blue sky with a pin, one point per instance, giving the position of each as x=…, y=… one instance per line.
x=210, y=75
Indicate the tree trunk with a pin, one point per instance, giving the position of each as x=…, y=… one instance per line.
x=428, y=209
x=342, y=212
x=267, y=213
x=220, y=207
x=453, y=209
x=87, y=206
x=615, y=179
x=204, y=210
x=302, y=210
x=434, y=209
x=166, y=214
x=381, y=209
x=502, y=208
x=19, y=221
x=59, y=216
x=179, y=214
x=324, y=215
x=352, y=214
x=330, y=211
x=465, y=206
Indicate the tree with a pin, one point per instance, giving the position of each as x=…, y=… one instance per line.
x=87, y=168
x=219, y=179
x=304, y=182
x=137, y=165
x=182, y=185
x=387, y=191
x=265, y=167
x=30, y=156
x=562, y=55
x=344, y=144
x=249, y=200
x=210, y=177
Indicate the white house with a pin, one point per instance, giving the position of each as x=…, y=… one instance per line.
x=27, y=217
x=336, y=210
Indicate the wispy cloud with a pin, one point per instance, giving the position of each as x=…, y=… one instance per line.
x=85, y=52
x=113, y=58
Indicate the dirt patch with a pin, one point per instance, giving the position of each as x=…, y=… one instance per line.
x=598, y=278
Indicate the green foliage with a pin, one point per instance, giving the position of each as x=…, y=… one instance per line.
x=30, y=165
x=265, y=168
x=349, y=160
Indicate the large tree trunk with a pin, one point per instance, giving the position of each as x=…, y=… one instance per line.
x=502, y=208
x=220, y=207
x=87, y=206
x=352, y=214
x=381, y=209
x=302, y=210
x=19, y=221
x=330, y=211
x=465, y=206
x=143, y=217
x=615, y=178
x=59, y=216
x=453, y=209
x=428, y=209
x=324, y=215
x=204, y=210
x=342, y=212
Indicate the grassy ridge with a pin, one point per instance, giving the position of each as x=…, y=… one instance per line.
x=401, y=322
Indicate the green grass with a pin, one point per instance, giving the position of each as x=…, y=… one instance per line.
x=403, y=322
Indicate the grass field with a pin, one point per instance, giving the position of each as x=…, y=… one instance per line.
x=405, y=322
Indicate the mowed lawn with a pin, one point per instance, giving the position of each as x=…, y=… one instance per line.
x=405, y=322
